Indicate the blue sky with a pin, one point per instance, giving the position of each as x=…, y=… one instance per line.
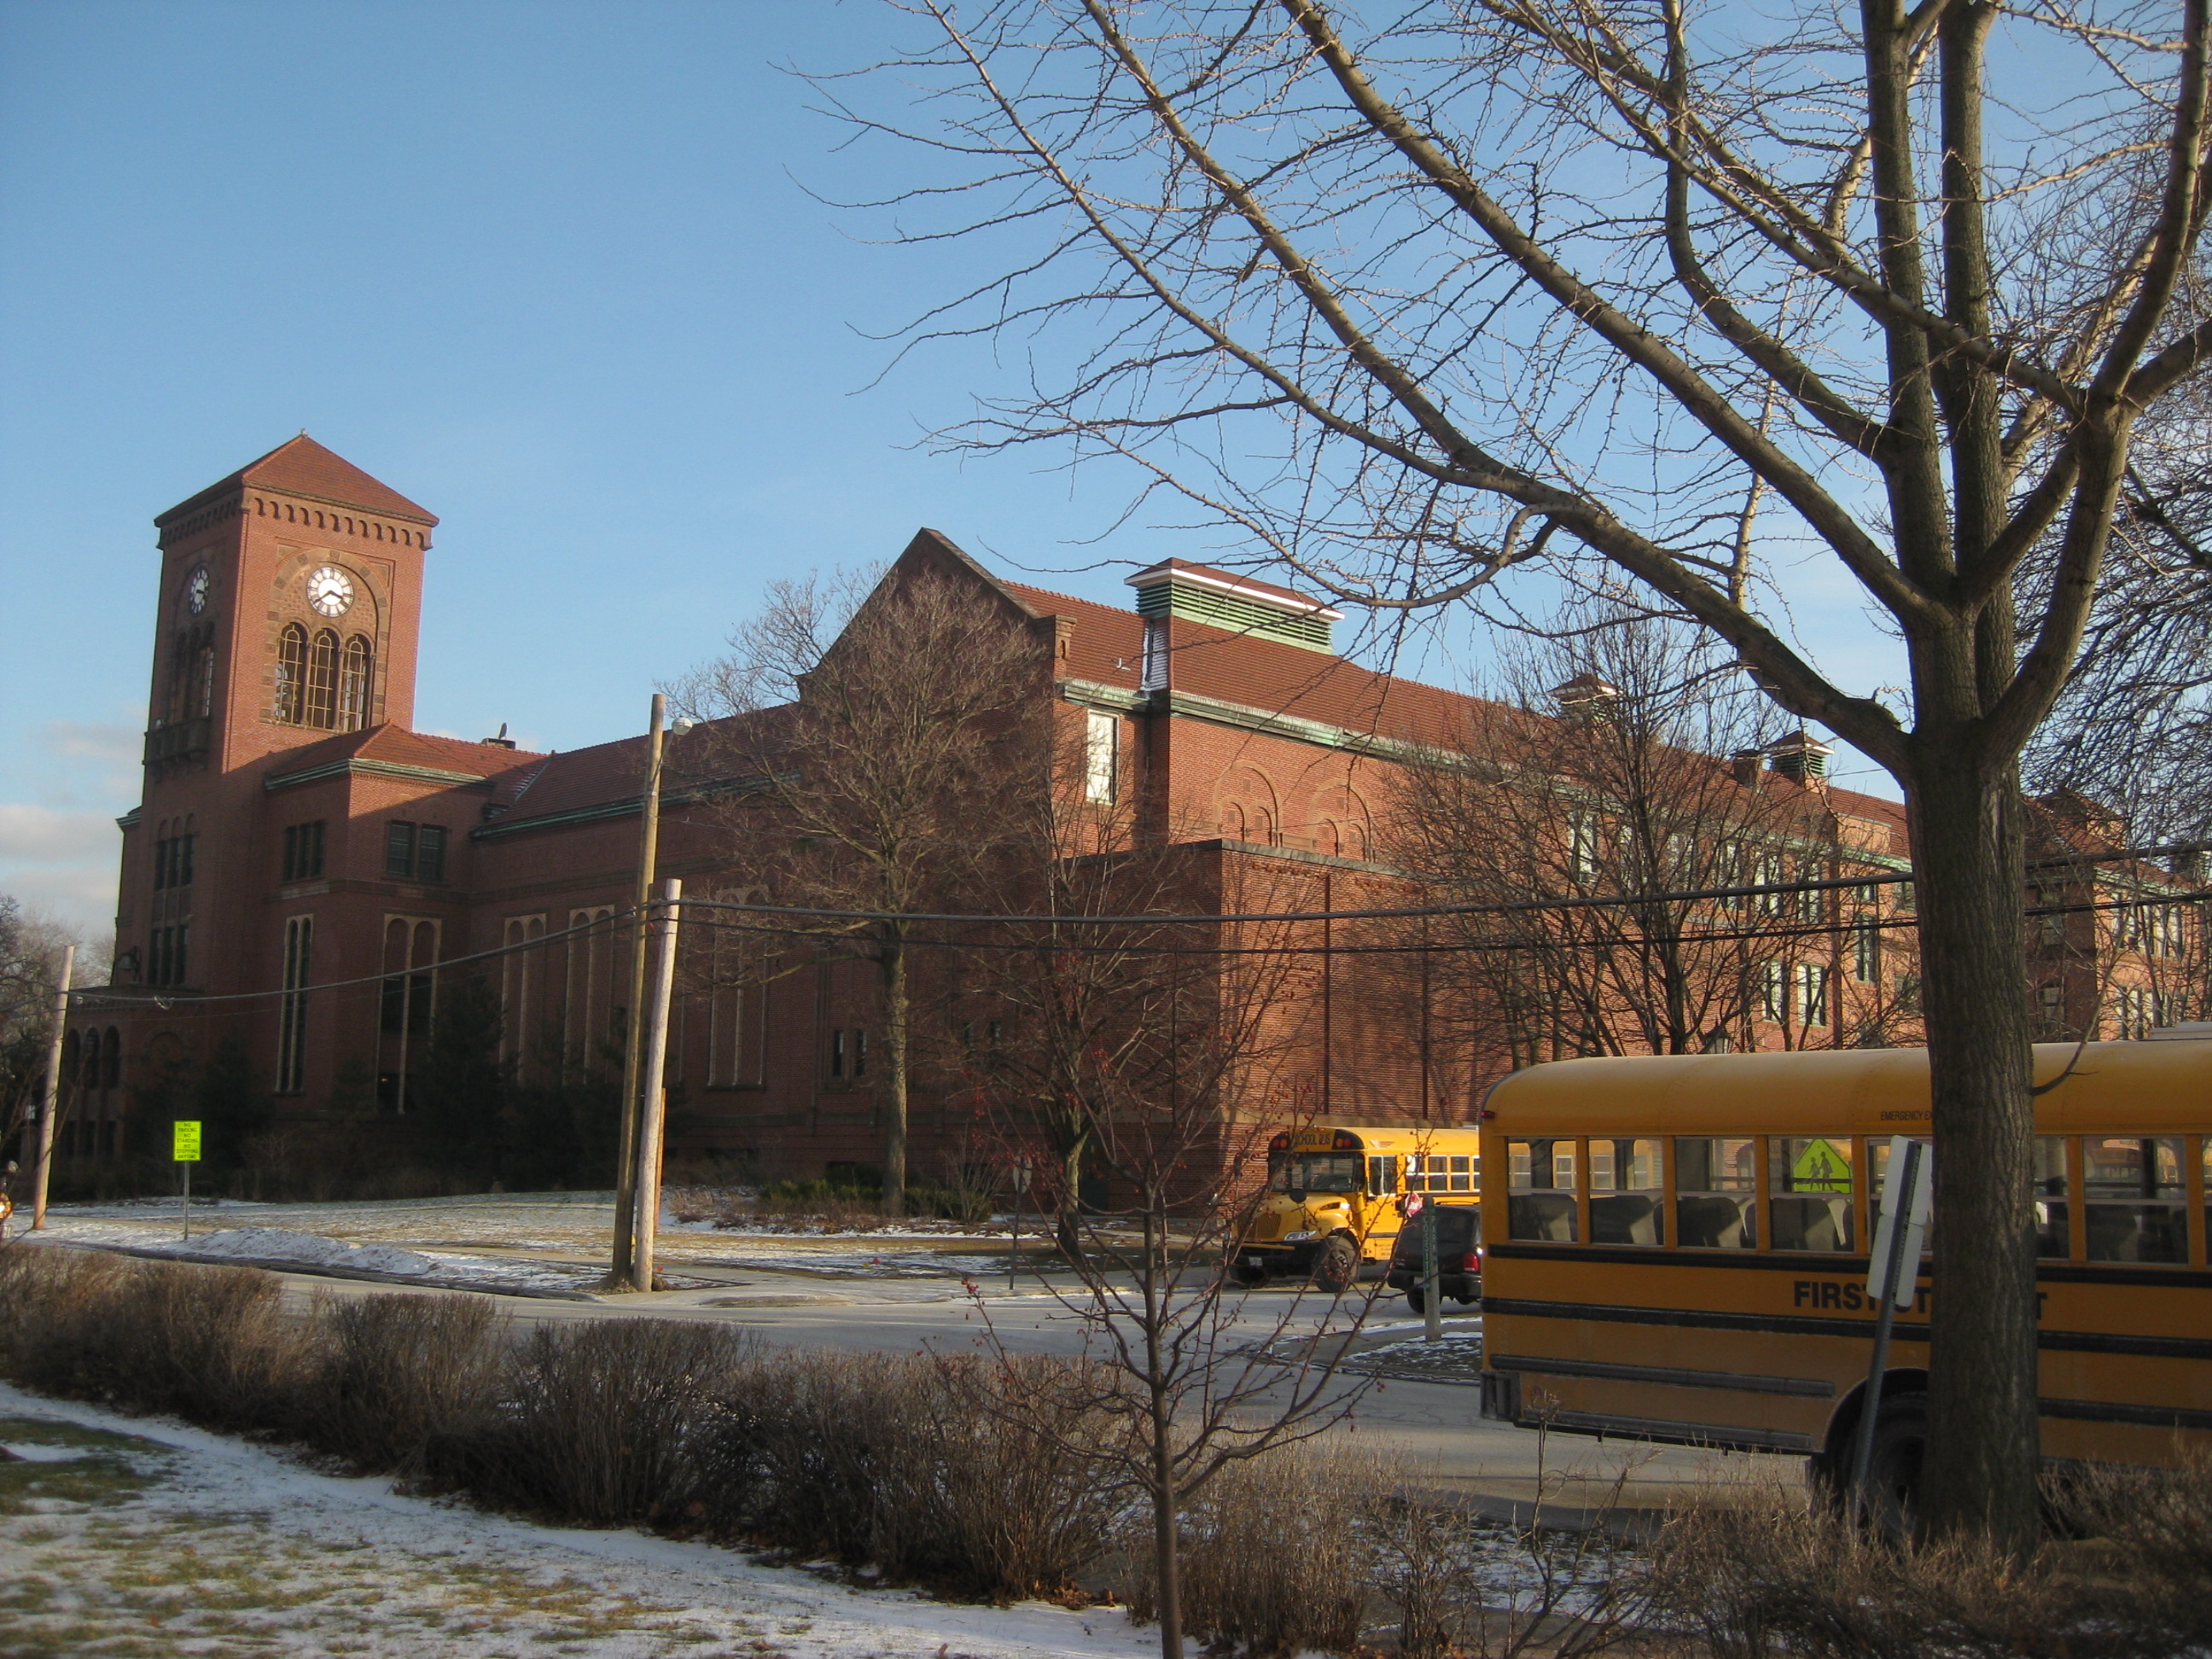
x=552, y=270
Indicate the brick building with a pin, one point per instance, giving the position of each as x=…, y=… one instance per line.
x=304, y=867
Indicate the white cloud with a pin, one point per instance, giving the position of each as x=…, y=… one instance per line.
x=43, y=835
x=61, y=863
x=111, y=744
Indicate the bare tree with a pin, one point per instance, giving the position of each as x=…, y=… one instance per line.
x=2130, y=728
x=875, y=788
x=1141, y=1056
x=30, y=967
x=1413, y=299
x=1619, y=765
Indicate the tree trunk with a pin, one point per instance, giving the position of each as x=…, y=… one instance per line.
x=893, y=963
x=1167, y=1564
x=1981, y=1467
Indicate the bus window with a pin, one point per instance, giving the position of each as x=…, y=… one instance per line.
x=1540, y=1193
x=1382, y=1176
x=2050, y=1214
x=1628, y=1193
x=1717, y=1192
x=1437, y=1173
x=1314, y=1172
x=1809, y=1184
x=2132, y=1199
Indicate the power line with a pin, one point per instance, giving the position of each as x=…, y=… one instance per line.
x=108, y=996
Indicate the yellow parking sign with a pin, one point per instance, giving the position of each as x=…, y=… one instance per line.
x=187, y=1142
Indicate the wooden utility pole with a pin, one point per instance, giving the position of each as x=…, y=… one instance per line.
x=50, y=1099
x=652, y=1120
x=633, y=1026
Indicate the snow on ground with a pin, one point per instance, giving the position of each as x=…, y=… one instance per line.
x=543, y=1242
x=281, y=1244
x=129, y=1537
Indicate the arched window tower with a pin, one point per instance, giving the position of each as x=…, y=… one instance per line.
x=323, y=680
x=354, y=685
x=292, y=675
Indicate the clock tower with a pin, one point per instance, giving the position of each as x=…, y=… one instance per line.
x=289, y=602
x=291, y=593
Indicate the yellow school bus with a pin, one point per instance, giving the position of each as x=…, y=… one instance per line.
x=1676, y=1251
x=1333, y=1198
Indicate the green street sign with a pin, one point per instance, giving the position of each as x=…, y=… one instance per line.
x=187, y=1142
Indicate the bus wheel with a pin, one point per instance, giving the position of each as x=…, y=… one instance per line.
x=1415, y=1300
x=1336, y=1266
x=1900, y=1437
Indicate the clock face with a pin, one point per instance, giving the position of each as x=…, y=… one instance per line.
x=196, y=587
x=329, y=590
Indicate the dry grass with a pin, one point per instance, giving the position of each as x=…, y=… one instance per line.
x=1775, y=1579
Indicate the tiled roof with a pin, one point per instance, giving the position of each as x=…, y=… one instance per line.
x=396, y=745
x=609, y=772
x=1255, y=672
x=303, y=467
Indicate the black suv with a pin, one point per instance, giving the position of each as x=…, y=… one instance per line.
x=1459, y=1256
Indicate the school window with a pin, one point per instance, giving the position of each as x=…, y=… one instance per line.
x=413, y=852
x=303, y=851
x=837, y=1051
x=292, y=1007
x=168, y=951
x=1774, y=992
x=860, y=1051
x=1101, y=754
x=173, y=861
x=405, y=1005
x=1866, y=954
x=1812, y=993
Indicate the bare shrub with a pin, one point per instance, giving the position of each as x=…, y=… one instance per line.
x=1461, y=1583
x=598, y=1424
x=2152, y=1530
x=207, y=1344
x=1271, y=1555
x=1024, y=1508
x=919, y=1468
x=1776, y=1577
x=392, y=1369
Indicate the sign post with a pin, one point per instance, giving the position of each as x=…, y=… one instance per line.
x=1420, y=1207
x=186, y=1150
x=1021, y=1174
x=1893, y=1281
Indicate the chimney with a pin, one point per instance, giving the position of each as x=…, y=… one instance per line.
x=502, y=741
x=1587, y=697
x=1747, y=764
x=1801, y=757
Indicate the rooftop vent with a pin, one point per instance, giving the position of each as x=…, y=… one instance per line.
x=1224, y=599
x=502, y=741
x=1800, y=755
